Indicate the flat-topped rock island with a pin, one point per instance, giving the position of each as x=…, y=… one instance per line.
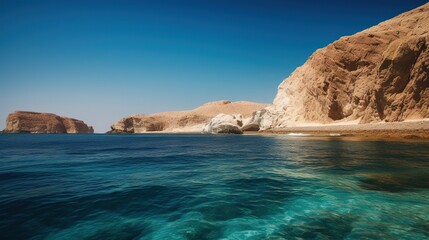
x=35, y=122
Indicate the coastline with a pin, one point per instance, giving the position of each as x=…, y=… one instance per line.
x=386, y=130
x=396, y=130
x=410, y=130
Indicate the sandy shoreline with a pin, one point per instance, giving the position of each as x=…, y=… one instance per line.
x=406, y=130
x=392, y=130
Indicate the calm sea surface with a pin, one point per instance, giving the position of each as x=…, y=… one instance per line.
x=212, y=187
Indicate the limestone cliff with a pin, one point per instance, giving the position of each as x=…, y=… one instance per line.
x=183, y=121
x=34, y=122
x=379, y=74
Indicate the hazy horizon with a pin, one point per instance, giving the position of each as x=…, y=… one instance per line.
x=103, y=60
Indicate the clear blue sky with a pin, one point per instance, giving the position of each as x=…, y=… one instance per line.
x=102, y=60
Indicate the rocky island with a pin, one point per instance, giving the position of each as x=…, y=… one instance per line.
x=35, y=122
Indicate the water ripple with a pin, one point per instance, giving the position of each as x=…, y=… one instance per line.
x=211, y=187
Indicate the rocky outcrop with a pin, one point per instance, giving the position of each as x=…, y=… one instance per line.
x=378, y=75
x=261, y=119
x=224, y=123
x=34, y=122
x=184, y=121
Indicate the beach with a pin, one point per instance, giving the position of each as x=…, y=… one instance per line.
x=406, y=130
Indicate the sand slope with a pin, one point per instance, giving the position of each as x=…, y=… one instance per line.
x=183, y=121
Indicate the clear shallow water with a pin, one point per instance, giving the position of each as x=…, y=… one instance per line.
x=211, y=187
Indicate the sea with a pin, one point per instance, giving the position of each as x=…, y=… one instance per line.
x=163, y=186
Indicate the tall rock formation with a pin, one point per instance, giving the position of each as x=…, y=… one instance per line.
x=34, y=122
x=183, y=121
x=379, y=74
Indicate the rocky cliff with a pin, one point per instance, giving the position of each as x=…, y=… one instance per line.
x=34, y=122
x=377, y=75
x=183, y=121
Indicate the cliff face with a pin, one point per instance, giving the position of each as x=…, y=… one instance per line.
x=379, y=74
x=183, y=121
x=33, y=122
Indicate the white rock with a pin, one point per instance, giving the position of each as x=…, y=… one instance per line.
x=224, y=123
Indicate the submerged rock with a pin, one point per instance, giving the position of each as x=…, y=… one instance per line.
x=379, y=74
x=406, y=181
x=34, y=122
x=224, y=123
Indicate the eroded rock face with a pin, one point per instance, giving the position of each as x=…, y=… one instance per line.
x=183, y=121
x=224, y=123
x=34, y=122
x=261, y=119
x=380, y=74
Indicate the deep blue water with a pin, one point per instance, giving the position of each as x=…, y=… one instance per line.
x=212, y=187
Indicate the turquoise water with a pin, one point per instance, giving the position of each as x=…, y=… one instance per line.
x=211, y=187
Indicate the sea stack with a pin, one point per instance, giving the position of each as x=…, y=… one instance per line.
x=378, y=75
x=34, y=122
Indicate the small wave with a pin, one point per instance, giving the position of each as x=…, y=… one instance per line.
x=299, y=134
x=335, y=134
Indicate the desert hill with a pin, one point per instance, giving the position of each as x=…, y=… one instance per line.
x=183, y=121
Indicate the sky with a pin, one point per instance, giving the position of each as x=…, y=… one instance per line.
x=99, y=61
